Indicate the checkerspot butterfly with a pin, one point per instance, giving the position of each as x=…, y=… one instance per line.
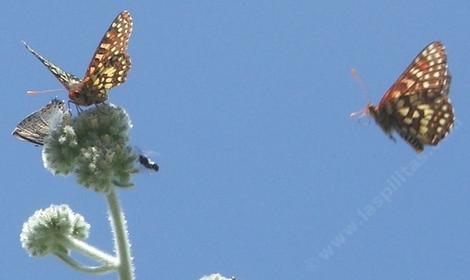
x=108, y=67
x=417, y=105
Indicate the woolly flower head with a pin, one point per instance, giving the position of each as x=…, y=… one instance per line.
x=95, y=147
x=216, y=276
x=45, y=230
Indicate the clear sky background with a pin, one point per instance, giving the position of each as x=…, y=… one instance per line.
x=245, y=105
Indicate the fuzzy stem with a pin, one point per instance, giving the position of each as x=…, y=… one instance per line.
x=106, y=268
x=90, y=251
x=121, y=240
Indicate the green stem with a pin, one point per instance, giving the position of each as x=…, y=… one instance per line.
x=106, y=268
x=121, y=240
x=90, y=251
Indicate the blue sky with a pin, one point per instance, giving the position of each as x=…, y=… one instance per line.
x=245, y=106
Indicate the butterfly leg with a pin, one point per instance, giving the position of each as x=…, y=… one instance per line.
x=77, y=107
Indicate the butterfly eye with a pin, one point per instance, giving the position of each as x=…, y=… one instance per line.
x=73, y=94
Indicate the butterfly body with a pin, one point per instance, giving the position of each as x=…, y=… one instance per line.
x=381, y=119
x=417, y=105
x=108, y=68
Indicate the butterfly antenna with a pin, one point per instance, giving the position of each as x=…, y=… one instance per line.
x=364, y=90
x=36, y=92
x=361, y=84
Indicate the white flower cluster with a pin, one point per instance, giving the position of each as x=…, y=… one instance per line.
x=95, y=147
x=46, y=230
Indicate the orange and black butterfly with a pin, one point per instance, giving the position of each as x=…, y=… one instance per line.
x=108, y=67
x=417, y=105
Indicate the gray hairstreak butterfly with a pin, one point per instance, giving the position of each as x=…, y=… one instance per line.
x=38, y=125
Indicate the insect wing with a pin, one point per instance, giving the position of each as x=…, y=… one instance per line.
x=66, y=79
x=111, y=62
x=38, y=125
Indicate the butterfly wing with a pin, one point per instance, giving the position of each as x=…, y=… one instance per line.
x=417, y=104
x=111, y=62
x=66, y=79
x=38, y=125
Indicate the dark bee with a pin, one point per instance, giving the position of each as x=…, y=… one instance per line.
x=148, y=163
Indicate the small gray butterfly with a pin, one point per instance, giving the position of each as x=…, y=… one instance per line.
x=38, y=125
